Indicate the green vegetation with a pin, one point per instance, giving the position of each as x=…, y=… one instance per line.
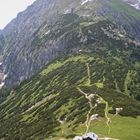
x=99, y=85
x=127, y=82
x=37, y=107
x=96, y=60
x=119, y=125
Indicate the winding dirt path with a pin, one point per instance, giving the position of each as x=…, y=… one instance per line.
x=107, y=138
x=88, y=74
x=92, y=107
x=108, y=120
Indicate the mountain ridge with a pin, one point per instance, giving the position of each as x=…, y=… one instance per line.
x=70, y=67
x=55, y=103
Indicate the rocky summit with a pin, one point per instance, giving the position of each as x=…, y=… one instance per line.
x=70, y=69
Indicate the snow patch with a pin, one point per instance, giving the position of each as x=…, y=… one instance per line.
x=85, y=1
x=67, y=11
x=1, y=84
x=47, y=32
x=137, y=6
x=4, y=77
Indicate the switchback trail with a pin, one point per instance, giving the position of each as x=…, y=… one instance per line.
x=92, y=107
x=99, y=100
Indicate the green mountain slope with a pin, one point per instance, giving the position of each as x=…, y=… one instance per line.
x=93, y=63
x=20, y=47
x=60, y=100
x=36, y=108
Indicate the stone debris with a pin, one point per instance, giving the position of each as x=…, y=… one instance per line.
x=118, y=110
x=94, y=117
